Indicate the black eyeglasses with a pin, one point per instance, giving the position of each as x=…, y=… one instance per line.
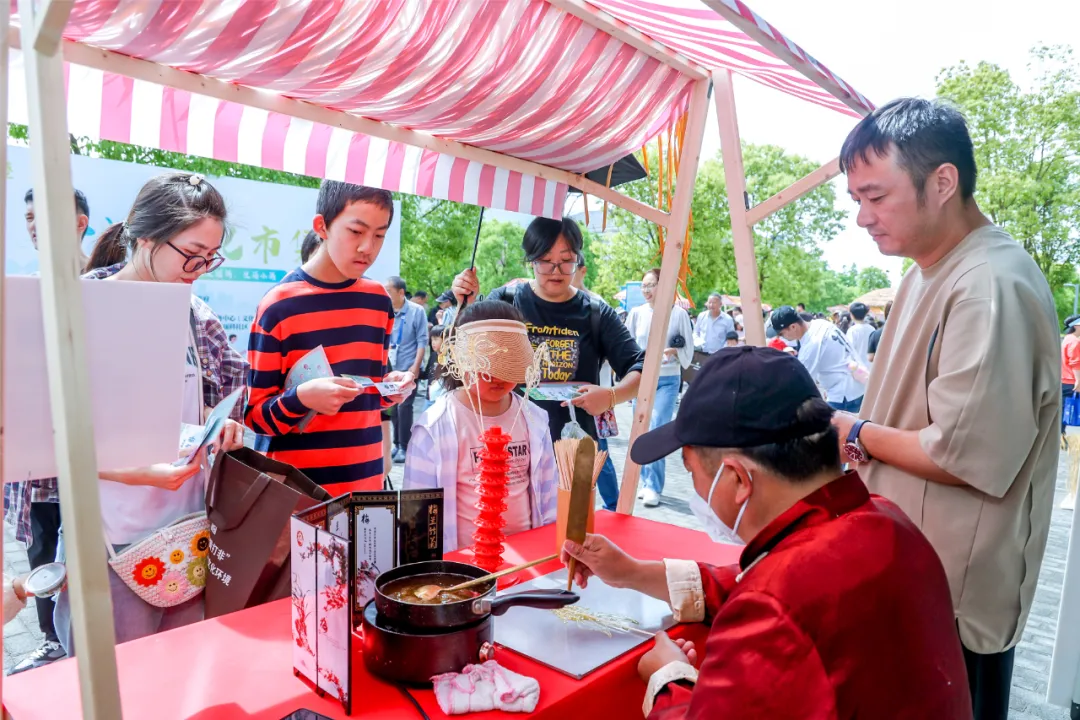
x=548, y=268
x=195, y=263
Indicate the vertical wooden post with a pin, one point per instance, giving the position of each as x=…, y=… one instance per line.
x=742, y=234
x=65, y=353
x=665, y=288
x=5, y=21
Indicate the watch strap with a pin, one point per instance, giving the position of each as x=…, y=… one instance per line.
x=853, y=435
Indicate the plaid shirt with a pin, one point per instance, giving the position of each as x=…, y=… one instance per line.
x=224, y=370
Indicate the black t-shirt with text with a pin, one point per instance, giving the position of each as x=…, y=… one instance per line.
x=576, y=356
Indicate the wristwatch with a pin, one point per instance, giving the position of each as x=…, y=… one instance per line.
x=854, y=449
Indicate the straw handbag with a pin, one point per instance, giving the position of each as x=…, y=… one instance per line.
x=169, y=567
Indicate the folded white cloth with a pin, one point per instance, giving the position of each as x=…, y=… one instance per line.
x=487, y=686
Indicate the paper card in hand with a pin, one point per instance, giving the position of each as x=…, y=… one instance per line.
x=312, y=366
x=557, y=392
x=215, y=423
x=384, y=388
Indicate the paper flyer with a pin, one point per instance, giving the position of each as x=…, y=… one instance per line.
x=383, y=388
x=312, y=366
x=215, y=423
x=558, y=392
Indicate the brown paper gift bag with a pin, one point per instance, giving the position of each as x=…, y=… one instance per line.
x=249, y=501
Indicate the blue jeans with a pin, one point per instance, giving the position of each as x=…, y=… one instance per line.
x=608, y=482
x=133, y=618
x=667, y=392
x=851, y=406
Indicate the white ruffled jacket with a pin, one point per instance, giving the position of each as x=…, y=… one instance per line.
x=432, y=462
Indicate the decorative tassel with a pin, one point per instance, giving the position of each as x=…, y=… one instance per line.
x=491, y=487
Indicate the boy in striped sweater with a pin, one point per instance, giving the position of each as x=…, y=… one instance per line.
x=328, y=302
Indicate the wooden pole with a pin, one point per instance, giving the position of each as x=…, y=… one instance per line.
x=764, y=34
x=69, y=381
x=742, y=234
x=665, y=288
x=793, y=192
x=5, y=22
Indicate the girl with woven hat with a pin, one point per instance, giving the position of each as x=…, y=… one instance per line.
x=487, y=355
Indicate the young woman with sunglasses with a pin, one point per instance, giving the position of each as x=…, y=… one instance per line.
x=581, y=332
x=173, y=234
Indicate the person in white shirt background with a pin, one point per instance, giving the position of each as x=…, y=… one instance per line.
x=712, y=326
x=827, y=355
x=678, y=353
x=860, y=331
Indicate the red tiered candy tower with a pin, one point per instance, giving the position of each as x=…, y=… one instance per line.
x=491, y=487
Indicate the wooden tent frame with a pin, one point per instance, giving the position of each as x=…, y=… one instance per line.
x=45, y=51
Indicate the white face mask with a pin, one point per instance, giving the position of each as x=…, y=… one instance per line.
x=714, y=526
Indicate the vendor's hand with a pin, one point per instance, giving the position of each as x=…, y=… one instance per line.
x=666, y=651
x=600, y=557
x=465, y=285
x=232, y=437
x=327, y=395
x=670, y=354
x=406, y=380
x=594, y=399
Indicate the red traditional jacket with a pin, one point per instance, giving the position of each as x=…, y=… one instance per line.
x=842, y=611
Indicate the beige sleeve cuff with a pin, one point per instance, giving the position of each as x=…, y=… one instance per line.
x=687, y=596
x=669, y=673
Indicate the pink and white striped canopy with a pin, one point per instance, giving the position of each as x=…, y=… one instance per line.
x=518, y=77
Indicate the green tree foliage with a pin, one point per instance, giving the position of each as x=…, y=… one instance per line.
x=1027, y=147
x=788, y=244
x=872, y=278
x=436, y=241
x=499, y=259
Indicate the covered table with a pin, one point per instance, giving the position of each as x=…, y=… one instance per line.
x=240, y=666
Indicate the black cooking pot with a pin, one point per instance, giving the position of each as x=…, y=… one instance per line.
x=460, y=612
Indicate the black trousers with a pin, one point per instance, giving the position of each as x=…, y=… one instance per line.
x=45, y=531
x=402, y=418
x=990, y=680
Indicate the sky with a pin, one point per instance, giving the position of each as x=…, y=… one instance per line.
x=885, y=50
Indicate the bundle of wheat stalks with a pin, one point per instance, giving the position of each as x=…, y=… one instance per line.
x=566, y=452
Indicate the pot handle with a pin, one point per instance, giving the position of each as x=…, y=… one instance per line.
x=543, y=599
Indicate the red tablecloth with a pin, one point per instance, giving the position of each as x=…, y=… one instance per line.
x=240, y=666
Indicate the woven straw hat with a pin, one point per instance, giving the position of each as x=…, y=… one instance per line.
x=496, y=348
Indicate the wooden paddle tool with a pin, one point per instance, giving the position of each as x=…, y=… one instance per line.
x=501, y=573
x=580, y=495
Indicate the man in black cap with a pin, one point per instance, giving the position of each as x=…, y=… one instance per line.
x=444, y=310
x=826, y=354
x=838, y=607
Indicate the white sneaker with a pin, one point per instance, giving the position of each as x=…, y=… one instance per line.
x=641, y=493
x=650, y=498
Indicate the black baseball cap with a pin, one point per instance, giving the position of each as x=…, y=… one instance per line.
x=741, y=397
x=784, y=317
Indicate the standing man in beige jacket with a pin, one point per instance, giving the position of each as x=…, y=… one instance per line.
x=959, y=426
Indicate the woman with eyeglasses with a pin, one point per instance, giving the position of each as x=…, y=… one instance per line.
x=173, y=234
x=581, y=331
x=678, y=353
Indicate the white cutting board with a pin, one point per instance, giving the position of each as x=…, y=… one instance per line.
x=136, y=341
x=570, y=648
